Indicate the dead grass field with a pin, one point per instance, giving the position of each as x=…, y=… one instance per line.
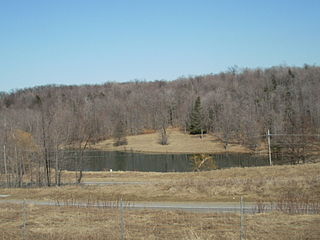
x=179, y=142
x=60, y=223
x=254, y=184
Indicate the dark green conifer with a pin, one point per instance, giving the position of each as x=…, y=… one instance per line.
x=195, y=124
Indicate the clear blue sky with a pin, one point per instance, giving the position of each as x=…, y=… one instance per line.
x=90, y=41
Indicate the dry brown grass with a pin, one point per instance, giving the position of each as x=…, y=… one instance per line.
x=57, y=223
x=179, y=142
x=254, y=184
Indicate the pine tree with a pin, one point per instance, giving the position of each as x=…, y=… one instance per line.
x=195, y=125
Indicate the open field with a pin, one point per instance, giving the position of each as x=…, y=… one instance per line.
x=179, y=142
x=254, y=184
x=278, y=184
x=55, y=223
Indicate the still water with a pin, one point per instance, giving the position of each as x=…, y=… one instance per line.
x=131, y=161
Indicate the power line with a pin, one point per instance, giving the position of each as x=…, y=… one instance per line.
x=294, y=135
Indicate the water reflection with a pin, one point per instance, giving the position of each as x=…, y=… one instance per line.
x=130, y=161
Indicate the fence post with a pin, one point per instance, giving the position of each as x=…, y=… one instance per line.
x=122, y=233
x=242, y=220
x=24, y=218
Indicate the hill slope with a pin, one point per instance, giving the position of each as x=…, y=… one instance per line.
x=179, y=142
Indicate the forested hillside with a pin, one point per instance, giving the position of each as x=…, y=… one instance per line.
x=237, y=105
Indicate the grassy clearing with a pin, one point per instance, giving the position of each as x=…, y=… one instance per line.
x=179, y=142
x=254, y=184
x=57, y=223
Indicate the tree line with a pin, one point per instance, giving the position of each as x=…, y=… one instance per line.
x=238, y=105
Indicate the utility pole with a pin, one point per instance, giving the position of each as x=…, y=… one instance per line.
x=4, y=152
x=5, y=164
x=269, y=146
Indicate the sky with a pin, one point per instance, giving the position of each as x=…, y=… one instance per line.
x=92, y=42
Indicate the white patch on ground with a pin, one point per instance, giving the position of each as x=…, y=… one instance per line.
x=4, y=196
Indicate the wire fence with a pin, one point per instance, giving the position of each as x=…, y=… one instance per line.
x=72, y=219
x=120, y=220
x=293, y=148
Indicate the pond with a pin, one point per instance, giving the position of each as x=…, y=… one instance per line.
x=94, y=160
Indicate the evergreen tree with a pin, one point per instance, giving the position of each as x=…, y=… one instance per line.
x=195, y=124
